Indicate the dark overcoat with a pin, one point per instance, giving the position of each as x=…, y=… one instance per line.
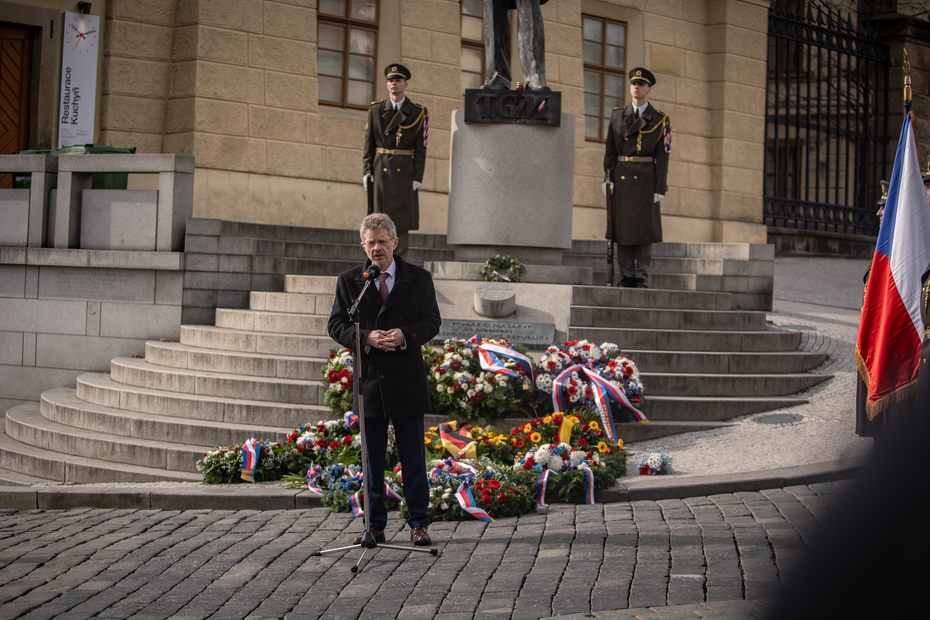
x=404, y=130
x=394, y=382
x=637, y=218
x=923, y=376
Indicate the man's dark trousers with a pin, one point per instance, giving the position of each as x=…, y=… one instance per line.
x=410, y=450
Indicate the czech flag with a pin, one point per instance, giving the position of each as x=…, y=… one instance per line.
x=891, y=328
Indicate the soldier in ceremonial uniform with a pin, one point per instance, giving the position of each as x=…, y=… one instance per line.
x=636, y=169
x=923, y=376
x=395, y=155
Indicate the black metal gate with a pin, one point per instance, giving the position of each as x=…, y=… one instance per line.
x=827, y=120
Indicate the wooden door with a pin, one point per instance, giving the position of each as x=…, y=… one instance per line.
x=15, y=74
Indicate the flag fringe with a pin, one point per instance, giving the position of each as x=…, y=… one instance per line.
x=889, y=400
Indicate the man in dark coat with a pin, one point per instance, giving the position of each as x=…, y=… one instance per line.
x=394, y=156
x=636, y=168
x=395, y=319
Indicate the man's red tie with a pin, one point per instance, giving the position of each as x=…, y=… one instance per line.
x=382, y=286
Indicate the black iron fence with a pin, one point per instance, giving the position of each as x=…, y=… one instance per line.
x=827, y=120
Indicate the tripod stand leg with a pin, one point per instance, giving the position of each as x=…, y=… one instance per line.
x=358, y=565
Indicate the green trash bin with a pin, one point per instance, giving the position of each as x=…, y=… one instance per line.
x=102, y=180
x=24, y=181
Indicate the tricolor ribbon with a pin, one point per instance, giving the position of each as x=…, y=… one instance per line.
x=541, y=485
x=456, y=469
x=604, y=392
x=251, y=451
x=350, y=419
x=391, y=493
x=467, y=502
x=588, y=484
x=543, y=482
x=313, y=473
x=356, y=503
x=492, y=358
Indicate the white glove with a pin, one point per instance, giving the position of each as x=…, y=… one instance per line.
x=658, y=197
x=416, y=185
x=366, y=180
x=604, y=186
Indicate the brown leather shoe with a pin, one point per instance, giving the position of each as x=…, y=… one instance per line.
x=378, y=534
x=420, y=537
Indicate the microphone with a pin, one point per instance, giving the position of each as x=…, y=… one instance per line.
x=372, y=272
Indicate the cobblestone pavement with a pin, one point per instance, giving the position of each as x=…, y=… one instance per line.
x=721, y=554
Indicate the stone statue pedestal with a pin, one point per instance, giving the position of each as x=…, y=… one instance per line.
x=510, y=190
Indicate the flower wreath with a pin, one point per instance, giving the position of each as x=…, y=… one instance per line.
x=503, y=268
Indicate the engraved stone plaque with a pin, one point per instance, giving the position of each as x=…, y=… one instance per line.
x=530, y=334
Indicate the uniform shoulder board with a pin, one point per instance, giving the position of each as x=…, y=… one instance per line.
x=378, y=102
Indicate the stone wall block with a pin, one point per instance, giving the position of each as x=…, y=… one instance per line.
x=288, y=21
x=230, y=153
x=133, y=114
x=168, y=287
x=289, y=91
x=222, y=45
x=293, y=159
x=330, y=129
x=436, y=79
x=224, y=117
x=562, y=39
x=282, y=55
x=233, y=14
x=659, y=29
x=229, y=82
x=277, y=123
x=182, y=81
x=742, y=180
x=153, y=11
x=743, y=70
x=666, y=59
x=120, y=320
x=343, y=165
x=135, y=39
x=133, y=76
x=417, y=43
x=668, y=8
x=444, y=48
x=742, y=154
x=741, y=98
x=83, y=353
x=50, y=316
x=435, y=15
x=691, y=36
x=180, y=115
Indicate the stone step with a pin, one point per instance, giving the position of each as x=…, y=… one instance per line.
x=56, y=465
x=649, y=298
x=209, y=337
x=712, y=408
x=725, y=362
x=302, y=266
x=714, y=266
x=320, y=285
x=101, y=389
x=140, y=373
x=690, y=340
x=632, y=432
x=660, y=318
x=28, y=426
x=671, y=281
x=340, y=250
x=179, y=355
x=8, y=477
x=271, y=322
x=297, y=303
x=738, y=251
x=62, y=406
x=671, y=384
x=544, y=274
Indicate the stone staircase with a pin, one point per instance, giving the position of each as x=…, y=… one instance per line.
x=256, y=372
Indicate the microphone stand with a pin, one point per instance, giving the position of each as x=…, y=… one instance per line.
x=368, y=539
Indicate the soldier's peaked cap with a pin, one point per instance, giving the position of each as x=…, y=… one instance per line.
x=396, y=71
x=640, y=73
x=927, y=173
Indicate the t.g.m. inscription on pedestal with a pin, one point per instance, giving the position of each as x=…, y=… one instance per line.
x=521, y=107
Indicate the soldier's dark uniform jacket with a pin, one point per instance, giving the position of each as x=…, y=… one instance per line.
x=395, y=155
x=636, y=160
